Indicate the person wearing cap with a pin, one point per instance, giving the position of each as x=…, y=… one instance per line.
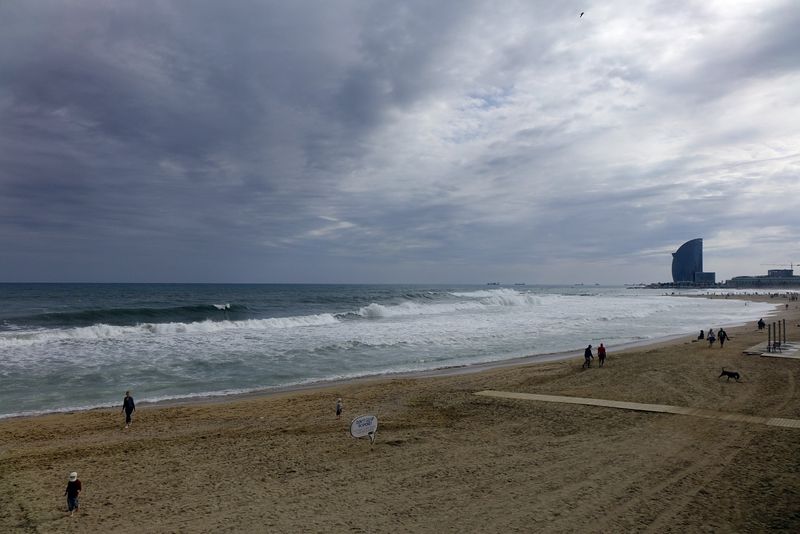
x=128, y=407
x=72, y=492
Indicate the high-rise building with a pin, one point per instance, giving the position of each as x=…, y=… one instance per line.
x=687, y=261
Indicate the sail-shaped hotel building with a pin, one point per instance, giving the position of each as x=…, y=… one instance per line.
x=687, y=264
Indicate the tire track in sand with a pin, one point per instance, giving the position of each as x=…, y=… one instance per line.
x=666, y=518
x=680, y=487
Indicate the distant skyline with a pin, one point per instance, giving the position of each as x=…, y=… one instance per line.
x=396, y=142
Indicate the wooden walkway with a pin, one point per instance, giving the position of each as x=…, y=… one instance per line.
x=659, y=408
x=790, y=350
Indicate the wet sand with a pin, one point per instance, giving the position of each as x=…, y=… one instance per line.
x=444, y=459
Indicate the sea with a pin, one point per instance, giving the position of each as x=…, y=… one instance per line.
x=67, y=347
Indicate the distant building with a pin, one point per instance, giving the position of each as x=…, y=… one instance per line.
x=687, y=265
x=775, y=278
x=705, y=279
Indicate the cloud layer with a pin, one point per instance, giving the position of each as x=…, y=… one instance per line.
x=395, y=141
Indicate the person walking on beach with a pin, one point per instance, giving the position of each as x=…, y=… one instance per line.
x=72, y=492
x=711, y=338
x=339, y=408
x=761, y=324
x=722, y=335
x=128, y=406
x=587, y=357
x=601, y=354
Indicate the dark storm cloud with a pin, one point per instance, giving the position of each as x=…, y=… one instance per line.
x=158, y=108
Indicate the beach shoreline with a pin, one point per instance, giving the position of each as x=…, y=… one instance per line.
x=444, y=458
x=453, y=370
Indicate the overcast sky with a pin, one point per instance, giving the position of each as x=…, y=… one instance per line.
x=396, y=141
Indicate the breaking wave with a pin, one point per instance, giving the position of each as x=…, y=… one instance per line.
x=224, y=317
x=134, y=316
x=105, y=331
x=501, y=297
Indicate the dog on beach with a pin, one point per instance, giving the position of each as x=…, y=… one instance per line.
x=729, y=374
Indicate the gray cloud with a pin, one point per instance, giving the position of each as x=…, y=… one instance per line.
x=386, y=141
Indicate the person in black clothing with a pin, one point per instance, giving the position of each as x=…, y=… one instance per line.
x=72, y=492
x=701, y=336
x=761, y=324
x=128, y=407
x=722, y=335
x=587, y=357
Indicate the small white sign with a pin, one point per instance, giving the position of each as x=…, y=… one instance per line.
x=364, y=425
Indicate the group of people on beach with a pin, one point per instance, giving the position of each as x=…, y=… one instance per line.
x=721, y=336
x=588, y=356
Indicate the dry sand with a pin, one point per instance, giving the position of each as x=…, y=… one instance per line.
x=445, y=460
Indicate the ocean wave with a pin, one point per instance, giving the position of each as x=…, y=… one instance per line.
x=381, y=311
x=132, y=316
x=471, y=301
x=105, y=331
x=483, y=293
x=502, y=297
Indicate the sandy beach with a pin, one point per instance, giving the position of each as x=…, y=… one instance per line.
x=445, y=459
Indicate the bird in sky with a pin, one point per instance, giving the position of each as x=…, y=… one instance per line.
x=581, y=14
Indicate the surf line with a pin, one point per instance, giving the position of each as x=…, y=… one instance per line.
x=658, y=408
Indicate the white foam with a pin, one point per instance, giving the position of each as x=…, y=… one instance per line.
x=502, y=296
x=182, y=360
x=374, y=311
x=477, y=301
x=104, y=331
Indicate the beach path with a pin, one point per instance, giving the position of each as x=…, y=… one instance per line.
x=658, y=408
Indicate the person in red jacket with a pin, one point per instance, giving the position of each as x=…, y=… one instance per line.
x=601, y=354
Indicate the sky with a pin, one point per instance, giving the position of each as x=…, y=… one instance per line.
x=396, y=141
